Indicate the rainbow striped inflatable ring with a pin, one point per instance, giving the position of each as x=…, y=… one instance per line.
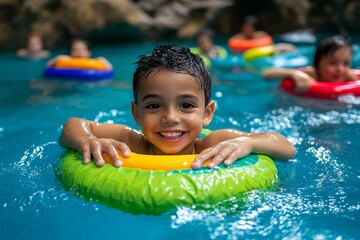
x=84, y=69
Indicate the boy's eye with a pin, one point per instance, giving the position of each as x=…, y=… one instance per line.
x=187, y=105
x=153, y=106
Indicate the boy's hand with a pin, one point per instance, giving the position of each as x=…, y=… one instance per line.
x=91, y=145
x=227, y=151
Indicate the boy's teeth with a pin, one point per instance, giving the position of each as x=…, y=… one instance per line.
x=171, y=134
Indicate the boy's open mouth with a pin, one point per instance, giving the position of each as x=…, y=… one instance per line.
x=171, y=135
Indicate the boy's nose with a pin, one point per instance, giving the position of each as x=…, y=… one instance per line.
x=170, y=116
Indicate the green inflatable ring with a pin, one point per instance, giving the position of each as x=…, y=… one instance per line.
x=157, y=191
x=222, y=55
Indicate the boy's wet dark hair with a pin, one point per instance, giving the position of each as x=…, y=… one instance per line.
x=176, y=59
x=328, y=46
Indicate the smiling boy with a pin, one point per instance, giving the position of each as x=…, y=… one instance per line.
x=172, y=91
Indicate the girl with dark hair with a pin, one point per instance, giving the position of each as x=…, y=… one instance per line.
x=332, y=63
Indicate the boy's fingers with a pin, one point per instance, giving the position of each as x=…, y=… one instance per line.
x=231, y=158
x=237, y=154
x=221, y=153
x=124, y=149
x=114, y=156
x=202, y=157
x=97, y=154
x=220, y=157
x=86, y=155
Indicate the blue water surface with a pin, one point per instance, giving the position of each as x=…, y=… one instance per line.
x=317, y=195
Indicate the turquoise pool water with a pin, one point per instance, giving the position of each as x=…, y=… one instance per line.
x=317, y=195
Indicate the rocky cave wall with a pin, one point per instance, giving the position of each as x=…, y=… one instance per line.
x=133, y=20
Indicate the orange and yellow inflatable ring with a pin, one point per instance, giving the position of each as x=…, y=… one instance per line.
x=239, y=45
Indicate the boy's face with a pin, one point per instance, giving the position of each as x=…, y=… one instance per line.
x=334, y=67
x=171, y=111
x=79, y=49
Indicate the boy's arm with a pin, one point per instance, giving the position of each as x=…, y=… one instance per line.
x=92, y=138
x=229, y=145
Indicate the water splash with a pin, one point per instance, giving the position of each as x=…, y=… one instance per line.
x=110, y=115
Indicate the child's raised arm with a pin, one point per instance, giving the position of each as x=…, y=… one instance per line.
x=302, y=80
x=229, y=145
x=92, y=139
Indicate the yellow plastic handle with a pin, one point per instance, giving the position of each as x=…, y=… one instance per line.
x=156, y=162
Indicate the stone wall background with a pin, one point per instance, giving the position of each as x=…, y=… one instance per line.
x=106, y=21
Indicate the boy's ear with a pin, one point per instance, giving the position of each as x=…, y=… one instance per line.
x=135, y=113
x=209, y=113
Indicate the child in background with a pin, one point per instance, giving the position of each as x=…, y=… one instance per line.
x=79, y=48
x=332, y=62
x=248, y=29
x=34, y=48
x=172, y=90
x=204, y=40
